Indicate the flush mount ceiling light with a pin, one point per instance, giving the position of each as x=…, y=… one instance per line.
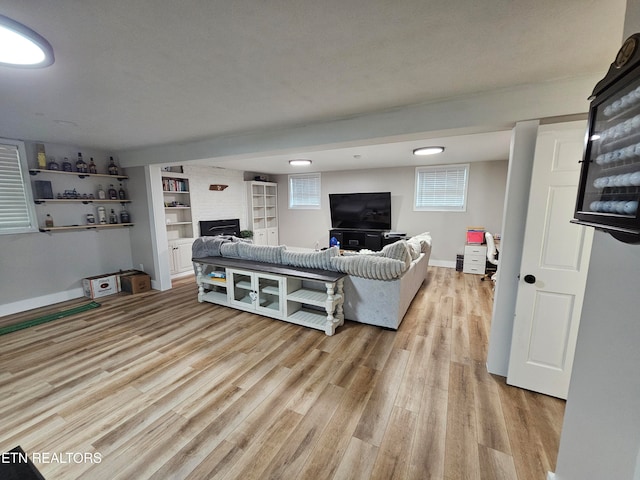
x=300, y=162
x=428, y=150
x=22, y=47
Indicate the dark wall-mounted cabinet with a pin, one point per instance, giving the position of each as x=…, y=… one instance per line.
x=609, y=189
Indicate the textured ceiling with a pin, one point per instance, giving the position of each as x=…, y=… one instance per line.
x=131, y=74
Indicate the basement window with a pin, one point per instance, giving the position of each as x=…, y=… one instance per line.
x=17, y=210
x=442, y=188
x=304, y=191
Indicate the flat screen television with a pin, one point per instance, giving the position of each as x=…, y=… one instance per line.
x=365, y=211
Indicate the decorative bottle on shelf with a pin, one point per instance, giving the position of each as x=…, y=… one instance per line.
x=113, y=218
x=81, y=166
x=113, y=193
x=102, y=215
x=48, y=221
x=53, y=165
x=66, y=165
x=92, y=167
x=122, y=194
x=101, y=194
x=124, y=216
x=42, y=159
x=113, y=168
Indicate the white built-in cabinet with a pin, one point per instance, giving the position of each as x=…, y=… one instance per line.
x=180, y=255
x=178, y=220
x=262, y=199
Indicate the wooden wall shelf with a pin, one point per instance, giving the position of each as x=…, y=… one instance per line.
x=85, y=227
x=35, y=171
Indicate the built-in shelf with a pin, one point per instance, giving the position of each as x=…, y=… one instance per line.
x=178, y=221
x=35, y=171
x=262, y=200
x=77, y=200
x=85, y=227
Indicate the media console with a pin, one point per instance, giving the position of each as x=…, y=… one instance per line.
x=356, y=239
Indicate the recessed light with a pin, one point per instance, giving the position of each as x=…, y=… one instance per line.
x=22, y=47
x=300, y=162
x=428, y=150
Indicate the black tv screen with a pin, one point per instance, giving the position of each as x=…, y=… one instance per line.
x=370, y=211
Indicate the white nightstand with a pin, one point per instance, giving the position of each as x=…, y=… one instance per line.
x=475, y=259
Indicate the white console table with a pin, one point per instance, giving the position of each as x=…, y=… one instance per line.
x=309, y=297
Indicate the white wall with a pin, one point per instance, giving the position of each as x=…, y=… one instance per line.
x=43, y=268
x=487, y=183
x=601, y=431
x=523, y=143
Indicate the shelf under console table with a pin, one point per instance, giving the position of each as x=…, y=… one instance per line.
x=308, y=297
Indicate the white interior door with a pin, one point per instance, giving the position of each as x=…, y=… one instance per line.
x=554, y=266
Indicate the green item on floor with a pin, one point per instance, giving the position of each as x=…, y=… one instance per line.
x=48, y=318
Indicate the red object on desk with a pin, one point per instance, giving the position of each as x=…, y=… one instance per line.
x=475, y=237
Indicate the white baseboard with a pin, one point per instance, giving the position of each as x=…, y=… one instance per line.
x=551, y=476
x=443, y=263
x=37, y=302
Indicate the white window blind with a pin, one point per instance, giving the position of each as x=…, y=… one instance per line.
x=304, y=191
x=17, y=214
x=442, y=187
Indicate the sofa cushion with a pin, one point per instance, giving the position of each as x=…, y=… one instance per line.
x=425, y=241
x=261, y=253
x=209, y=246
x=398, y=251
x=230, y=249
x=414, y=248
x=321, y=260
x=370, y=266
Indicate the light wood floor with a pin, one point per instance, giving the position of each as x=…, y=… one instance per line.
x=163, y=387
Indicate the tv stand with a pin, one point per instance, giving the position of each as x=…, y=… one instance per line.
x=356, y=239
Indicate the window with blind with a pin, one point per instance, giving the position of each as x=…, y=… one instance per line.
x=304, y=191
x=442, y=187
x=17, y=211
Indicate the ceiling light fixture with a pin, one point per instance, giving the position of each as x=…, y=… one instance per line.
x=300, y=162
x=428, y=150
x=22, y=47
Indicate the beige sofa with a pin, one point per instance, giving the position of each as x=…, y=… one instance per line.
x=379, y=286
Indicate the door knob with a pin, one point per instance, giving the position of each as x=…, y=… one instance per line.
x=530, y=278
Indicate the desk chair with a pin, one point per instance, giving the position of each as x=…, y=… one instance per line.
x=492, y=256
